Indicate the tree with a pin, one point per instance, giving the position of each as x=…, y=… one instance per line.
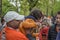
x=48, y=7
x=32, y=4
x=0, y=7
x=6, y=6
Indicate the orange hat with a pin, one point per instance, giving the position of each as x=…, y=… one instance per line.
x=28, y=23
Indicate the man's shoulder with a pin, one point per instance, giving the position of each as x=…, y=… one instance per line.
x=20, y=35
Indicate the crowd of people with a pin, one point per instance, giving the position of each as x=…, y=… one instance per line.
x=35, y=26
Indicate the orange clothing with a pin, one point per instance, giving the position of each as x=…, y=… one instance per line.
x=27, y=24
x=14, y=35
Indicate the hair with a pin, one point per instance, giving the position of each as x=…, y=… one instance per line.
x=36, y=13
x=58, y=13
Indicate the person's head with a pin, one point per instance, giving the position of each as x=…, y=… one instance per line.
x=13, y=19
x=58, y=18
x=26, y=26
x=36, y=13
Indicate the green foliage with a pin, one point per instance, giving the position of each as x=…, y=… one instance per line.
x=24, y=7
x=6, y=6
x=56, y=7
x=48, y=7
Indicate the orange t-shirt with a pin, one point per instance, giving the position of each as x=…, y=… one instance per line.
x=11, y=34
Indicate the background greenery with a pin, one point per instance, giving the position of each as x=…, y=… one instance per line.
x=48, y=7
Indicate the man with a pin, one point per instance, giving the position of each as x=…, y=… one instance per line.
x=52, y=34
x=13, y=21
x=39, y=17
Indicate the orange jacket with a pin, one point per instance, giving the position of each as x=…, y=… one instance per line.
x=14, y=35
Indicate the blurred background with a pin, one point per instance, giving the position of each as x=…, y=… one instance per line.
x=48, y=7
